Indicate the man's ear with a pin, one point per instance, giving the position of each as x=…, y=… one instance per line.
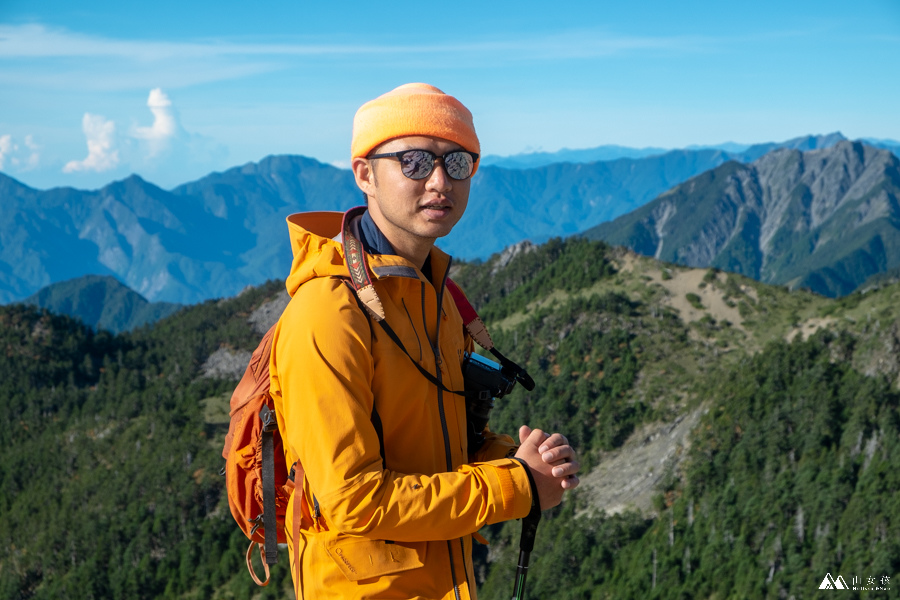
x=364, y=174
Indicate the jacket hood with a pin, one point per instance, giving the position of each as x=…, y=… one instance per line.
x=315, y=242
x=318, y=252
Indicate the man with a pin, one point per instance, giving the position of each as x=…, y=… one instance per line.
x=391, y=498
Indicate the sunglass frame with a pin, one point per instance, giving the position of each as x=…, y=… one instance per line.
x=433, y=160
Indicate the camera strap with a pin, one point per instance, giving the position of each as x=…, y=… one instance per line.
x=476, y=328
x=366, y=296
x=391, y=334
x=474, y=325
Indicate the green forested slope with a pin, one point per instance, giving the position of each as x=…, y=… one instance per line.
x=792, y=475
x=109, y=485
x=101, y=302
x=791, y=472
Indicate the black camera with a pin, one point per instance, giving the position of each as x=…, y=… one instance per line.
x=485, y=380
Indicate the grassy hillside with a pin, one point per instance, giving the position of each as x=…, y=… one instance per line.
x=738, y=438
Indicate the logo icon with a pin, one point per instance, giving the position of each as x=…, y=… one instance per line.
x=830, y=583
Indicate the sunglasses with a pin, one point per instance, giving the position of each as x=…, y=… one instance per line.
x=418, y=164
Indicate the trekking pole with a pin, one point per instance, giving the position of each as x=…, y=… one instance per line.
x=526, y=545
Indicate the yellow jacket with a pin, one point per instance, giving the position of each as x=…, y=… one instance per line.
x=401, y=525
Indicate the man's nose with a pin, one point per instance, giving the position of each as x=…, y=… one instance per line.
x=439, y=181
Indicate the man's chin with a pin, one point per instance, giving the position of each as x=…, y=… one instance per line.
x=436, y=229
x=437, y=232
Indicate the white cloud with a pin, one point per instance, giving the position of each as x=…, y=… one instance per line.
x=38, y=41
x=34, y=158
x=38, y=56
x=162, y=151
x=164, y=126
x=100, y=135
x=10, y=153
x=6, y=149
x=34, y=40
x=165, y=148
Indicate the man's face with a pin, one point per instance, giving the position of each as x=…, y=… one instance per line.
x=410, y=211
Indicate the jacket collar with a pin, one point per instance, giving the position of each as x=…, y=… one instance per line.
x=375, y=242
x=371, y=237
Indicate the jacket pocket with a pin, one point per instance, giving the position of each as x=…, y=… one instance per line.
x=360, y=558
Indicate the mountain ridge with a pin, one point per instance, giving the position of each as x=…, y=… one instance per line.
x=824, y=219
x=214, y=236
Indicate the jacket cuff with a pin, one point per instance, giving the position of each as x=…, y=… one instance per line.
x=515, y=488
x=535, y=499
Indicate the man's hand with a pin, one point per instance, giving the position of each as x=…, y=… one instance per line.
x=552, y=463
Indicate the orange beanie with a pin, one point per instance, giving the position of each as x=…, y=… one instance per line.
x=412, y=109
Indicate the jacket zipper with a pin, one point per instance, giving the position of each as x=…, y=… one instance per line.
x=435, y=348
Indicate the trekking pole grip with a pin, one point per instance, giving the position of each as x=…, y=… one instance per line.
x=529, y=532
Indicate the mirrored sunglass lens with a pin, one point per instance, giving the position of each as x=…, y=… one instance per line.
x=459, y=164
x=416, y=164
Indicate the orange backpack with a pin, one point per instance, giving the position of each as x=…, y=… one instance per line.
x=254, y=461
x=257, y=479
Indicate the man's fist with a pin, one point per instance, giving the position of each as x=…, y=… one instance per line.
x=552, y=463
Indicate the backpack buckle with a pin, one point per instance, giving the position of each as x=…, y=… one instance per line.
x=269, y=422
x=257, y=523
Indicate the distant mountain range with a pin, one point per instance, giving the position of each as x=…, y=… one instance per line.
x=531, y=160
x=825, y=220
x=740, y=152
x=892, y=145
x=102, y=303
x=214, y=236
x=205, y=239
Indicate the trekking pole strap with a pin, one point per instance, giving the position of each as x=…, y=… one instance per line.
x=534, y=516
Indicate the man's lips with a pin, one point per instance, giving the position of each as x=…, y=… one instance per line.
x=436, y=209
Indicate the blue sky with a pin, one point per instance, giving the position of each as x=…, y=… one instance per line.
x=93, y=91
